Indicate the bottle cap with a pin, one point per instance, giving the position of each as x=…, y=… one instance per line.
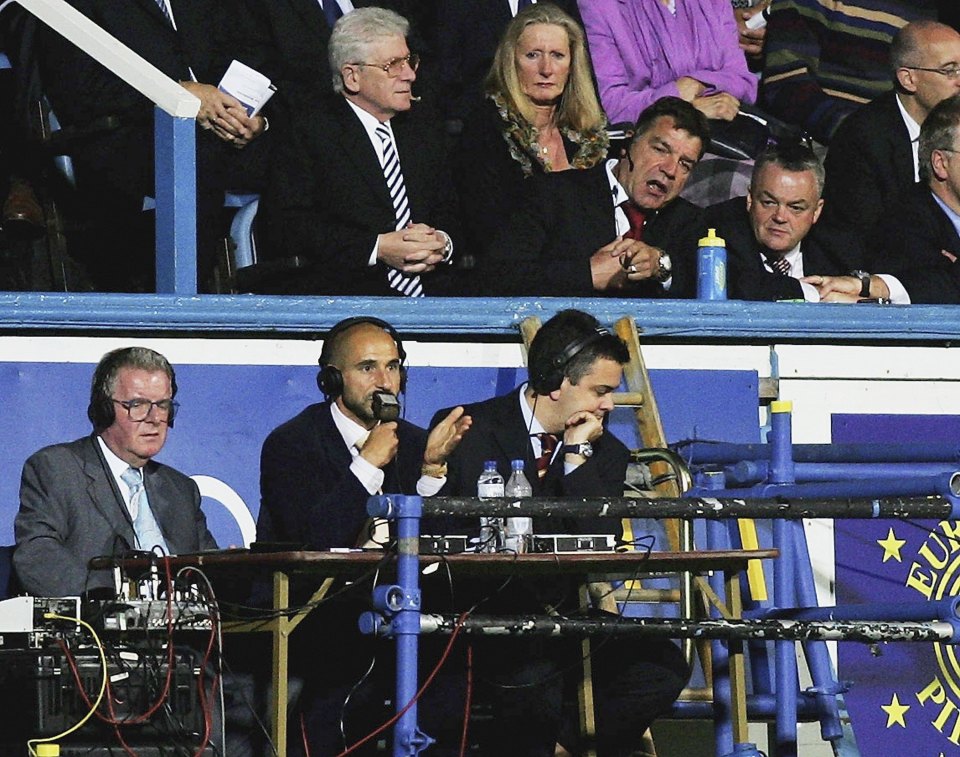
x=516, y=464
x=711, y=240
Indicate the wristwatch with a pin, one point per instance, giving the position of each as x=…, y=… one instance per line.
x=665, y=269
x=864, y=282
x=583, y=448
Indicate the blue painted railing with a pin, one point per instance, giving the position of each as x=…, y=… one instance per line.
x=661, y=320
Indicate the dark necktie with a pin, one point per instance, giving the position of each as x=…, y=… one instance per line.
x=409, y=286
x=521, y=4
x=331, y=9
x=548, y=443
x=636, y=217
x=780, y=266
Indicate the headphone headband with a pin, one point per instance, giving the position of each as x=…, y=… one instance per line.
x=330, y=379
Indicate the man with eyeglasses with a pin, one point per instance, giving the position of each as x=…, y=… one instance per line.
x=825, y=59
x=104, y=494
x=873, y=158
x=360, y=190
x=917, y=242
x=772, y=235
x=617, y=229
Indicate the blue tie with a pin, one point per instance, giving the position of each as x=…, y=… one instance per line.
x=165, y=11
x=331, y=9
x=148, y=533
x=521, y=4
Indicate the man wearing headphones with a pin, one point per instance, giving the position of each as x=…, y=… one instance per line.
x=104, y=494
x=555, y=423
x=317, y=471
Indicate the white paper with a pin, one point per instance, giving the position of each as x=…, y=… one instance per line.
x=248, y=85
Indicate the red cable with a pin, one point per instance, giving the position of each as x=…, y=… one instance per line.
x=413, y=700
x=303, y=735
x=468, y=701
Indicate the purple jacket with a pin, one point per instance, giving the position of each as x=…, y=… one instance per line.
x=640, y=49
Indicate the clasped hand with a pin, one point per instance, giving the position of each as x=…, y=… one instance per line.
x=416, y=249
x=623, y=261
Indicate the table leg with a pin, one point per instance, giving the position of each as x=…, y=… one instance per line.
x=738, y=683
x=280, y=650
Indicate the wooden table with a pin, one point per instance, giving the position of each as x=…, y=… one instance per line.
x=326, y=567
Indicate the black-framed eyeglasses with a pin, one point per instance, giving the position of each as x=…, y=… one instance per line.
x=139, y=409
x=393, y=68
x=950, y=71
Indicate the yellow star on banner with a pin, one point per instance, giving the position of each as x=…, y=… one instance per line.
x=895, y=712
x=891, y=546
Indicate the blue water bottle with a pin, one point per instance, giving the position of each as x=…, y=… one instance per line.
x=711, y=267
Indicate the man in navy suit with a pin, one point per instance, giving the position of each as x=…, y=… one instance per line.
x=917, y=243
x=873, y=159
x=76, y=501
x=193, y=43
x=556, y=423
x=359, y=189
x=771, y=235
x=317, y=471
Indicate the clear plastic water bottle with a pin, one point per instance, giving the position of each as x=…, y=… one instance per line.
x=518, y=529
x=490, y=484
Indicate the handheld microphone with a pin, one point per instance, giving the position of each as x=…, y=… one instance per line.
x=386, y=407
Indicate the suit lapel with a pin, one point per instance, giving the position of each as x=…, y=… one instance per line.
x=159, y=499
x=359, y=150
x=104, y=494
x=311, y=14
x=512, y=437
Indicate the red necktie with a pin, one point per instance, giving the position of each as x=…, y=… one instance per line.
x=636, y=217
x=548, y=443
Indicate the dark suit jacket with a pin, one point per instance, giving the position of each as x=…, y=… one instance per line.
x=71, y=511
x=868, y=165
x=328, y=201
x=468, y=32
x=81, y=90
x=490, y=182
x=291, y=49
x=908, y=243
x=747, y=277
x=499, y=433
x=545, y=247
x=308, y=494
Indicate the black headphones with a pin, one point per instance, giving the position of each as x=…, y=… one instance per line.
x=329, y=379
x=548, y=378
x=101, y=411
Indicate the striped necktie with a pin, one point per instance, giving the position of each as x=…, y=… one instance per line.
x=145, y=526
x=409, y=286
x=548, y=444
x=162, y=4
x=780, y=266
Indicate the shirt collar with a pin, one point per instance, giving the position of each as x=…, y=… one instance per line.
x=951, y=213
x=617, y=191
x=529, y=419
x=913, y=128
x=352, y=433
x=370, y=123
